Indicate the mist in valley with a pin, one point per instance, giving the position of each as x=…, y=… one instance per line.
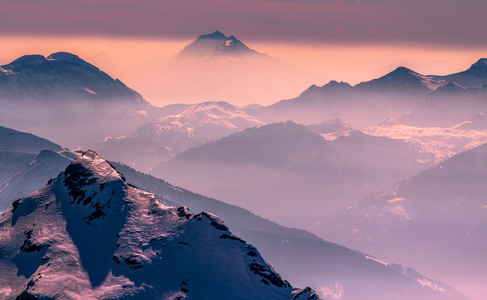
x=366, y=191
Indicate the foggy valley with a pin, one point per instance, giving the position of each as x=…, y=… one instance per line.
x=374, y=190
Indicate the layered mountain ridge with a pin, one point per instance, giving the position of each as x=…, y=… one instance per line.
x=270, y=168
x=332, y=269
x=442, y=208
x=155, y=142
x=372, y=102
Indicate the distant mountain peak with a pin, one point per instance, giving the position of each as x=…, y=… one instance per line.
x=402, y=79
x=333, y=86
x=336, y=84
x=61, y=75
x=480, y=63
x=403, y=70
x=216, y=44
x=478, y=69
x=212, y=36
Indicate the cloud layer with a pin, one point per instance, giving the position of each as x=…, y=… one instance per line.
x=432, y=22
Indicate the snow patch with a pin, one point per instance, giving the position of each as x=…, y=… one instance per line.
x=6, y=72
x=376, y=260
x=399, y=210
x=334, y=291
x=441, y=142
x=425, y=282
x=395, y=200
x=5, y=291
x=89, y=91
x=142, y=113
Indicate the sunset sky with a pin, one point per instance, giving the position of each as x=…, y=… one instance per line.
x=345, y=40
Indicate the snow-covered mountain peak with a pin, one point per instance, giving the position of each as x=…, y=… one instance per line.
x=216, y=44
x=90, y=164
x=220, y=114
x=172, y=134
x=88, y=235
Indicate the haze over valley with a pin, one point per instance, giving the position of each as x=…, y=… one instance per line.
x=243, y=167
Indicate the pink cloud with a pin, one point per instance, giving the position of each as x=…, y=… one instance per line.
x=447, y=22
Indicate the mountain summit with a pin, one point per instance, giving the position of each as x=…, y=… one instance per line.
x=217, y=44
x=478, y=69
x=88, y=234
x=61, y=76
x=403, y=80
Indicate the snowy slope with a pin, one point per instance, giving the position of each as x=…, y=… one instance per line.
x=332, y=270
x=442, y=142
x=87, y=234
x=198, y=124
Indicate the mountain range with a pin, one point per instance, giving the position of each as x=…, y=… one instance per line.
x=153, y=143
x=441, y=142
x=333, y=269
x=273, y=167
x=372, y=102
x=361, y=140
